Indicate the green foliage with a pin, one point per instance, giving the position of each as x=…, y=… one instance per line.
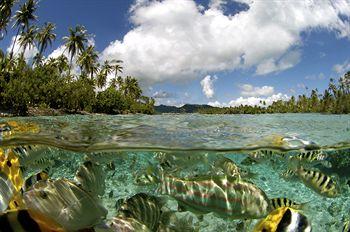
x=49, y=82
x=110, y=101
x=335, y=99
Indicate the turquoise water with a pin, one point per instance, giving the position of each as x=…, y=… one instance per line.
x=126, y=146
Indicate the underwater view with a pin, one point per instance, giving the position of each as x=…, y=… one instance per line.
x=281, y=172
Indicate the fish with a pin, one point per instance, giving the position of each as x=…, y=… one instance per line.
x=311, y=157
x=319, y=182
x=66, y=203
x=10, y=166
x=225, y=196
x=31, y=154
x=121, y=224
x=30, y=181
x=228, y=166
x=91, y=178
x=265, y=154
x=346, y=226
x=27, y=221
x=285, y=202
x=11, y=180
x=173, y=162
x=7, y=190
x=142, y=207
x=289, y=174
x=284, y=219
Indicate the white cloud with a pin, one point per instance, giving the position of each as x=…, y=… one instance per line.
x=273, y=65
x=176, y=40
x=217, y=104
x=251, y=91
x=162, y=94
x=342, y=68
x=208, y=86
x=257, y=101
x=252, y=101
x=29, y=53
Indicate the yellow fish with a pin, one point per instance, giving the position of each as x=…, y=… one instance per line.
x=284, y=219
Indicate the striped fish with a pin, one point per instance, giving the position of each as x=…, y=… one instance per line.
x=228, y=166
x=27, y=221
x=288, y=174
x=319, y=182
x=142, y=207
x=285, y=202
x=122, y=224
x=312, y=157
x=225, y=196
x=265, y=154
x=284, y=219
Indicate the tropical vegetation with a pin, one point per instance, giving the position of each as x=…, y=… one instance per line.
x=75, y=81
x=78, y=80
x=335, y=99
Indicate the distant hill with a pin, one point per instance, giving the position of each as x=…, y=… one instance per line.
x=188, y=108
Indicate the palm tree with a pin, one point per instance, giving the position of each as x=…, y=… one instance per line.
x=27, y=39
x=102, y=76
x=117, y=67
x=22, y=19
x=38, y=60
x=75, y=42
x=132, y=88
x=88, y=61
x=62, y=63
x=5, y=12
x=46, y=36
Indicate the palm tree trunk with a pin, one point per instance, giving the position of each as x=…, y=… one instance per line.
x=70, y=65
x=14, y=42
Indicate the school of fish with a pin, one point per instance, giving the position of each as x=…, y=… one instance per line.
x=31, y=200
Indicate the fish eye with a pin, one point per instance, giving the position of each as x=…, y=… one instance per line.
x=8, y=163
x=43, y=194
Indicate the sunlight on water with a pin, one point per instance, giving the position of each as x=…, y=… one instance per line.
x=106, y=160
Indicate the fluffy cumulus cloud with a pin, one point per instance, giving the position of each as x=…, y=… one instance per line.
x=258, y=101
x=177, y=40
x=208, y=86
x=251, y=91
x=342, y=68
x=29, y=53
x=252, y=101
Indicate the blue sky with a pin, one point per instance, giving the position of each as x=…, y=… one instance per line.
x=234, y=48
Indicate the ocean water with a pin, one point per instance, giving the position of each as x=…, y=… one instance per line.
x=127, y=146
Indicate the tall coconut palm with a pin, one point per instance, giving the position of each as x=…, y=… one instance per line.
x=46, y=36
x=38, y=60
x=132, y=88
x=75, y=42
x=102, y=76
x=117, y=67
x=27, y=39
x=88, y=61
x=22, y=19
x=5, y=12
x=62, y=63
